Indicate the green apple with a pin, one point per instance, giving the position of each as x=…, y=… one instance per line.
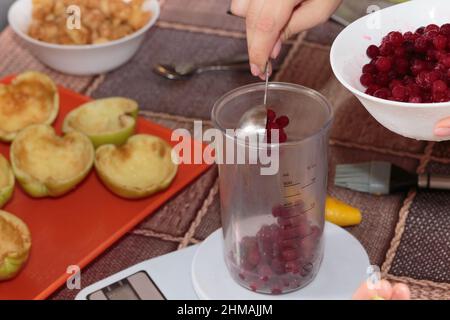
x=104, y=121
x=137, y=169
x=47, y=165
x=31, y=98
x=15, y=245
x=6, y=181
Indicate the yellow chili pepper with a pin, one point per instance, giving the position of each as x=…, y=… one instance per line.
x=340, y=213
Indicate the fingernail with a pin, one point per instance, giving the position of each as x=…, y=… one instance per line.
x=276, y=50
x=442, y=132
x=255, y=70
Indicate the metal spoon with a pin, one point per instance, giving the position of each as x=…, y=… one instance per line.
x=255, y=119
x=184, y=71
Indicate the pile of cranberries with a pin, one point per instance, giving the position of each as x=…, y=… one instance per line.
x=281, y=257
x=276, y=123
x=410, y=67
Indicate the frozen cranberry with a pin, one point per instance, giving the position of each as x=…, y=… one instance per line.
x=431, y=27
x=420, y=30
x=373, y=51
x=409, y=36
x=386, y=49
x=276, y=290
x=394, y=83
x=440, y=42
x=400, y=92
x=289, y=254
x=415, y=99
x=283, y=121
x=382, y=93
x=446, y=60
x=400, y=52
x=366, y=79
x=271, y=115
x=291, y=221
x=382, y=79
x=292, y=267
x=418, y=66
x=445, y=30
x=369, y=68
x=264, y=272
x=277, y=266
x=439, y=86
x=383, y=64
x=421, y=44
x=396, y=38
x=253, y=257
x=401, y=66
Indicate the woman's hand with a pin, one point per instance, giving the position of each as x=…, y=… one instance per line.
x=384, y=291
x=442, y=128
x=269, y=22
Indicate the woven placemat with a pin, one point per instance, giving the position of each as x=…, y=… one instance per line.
x=16, y=58
x=194, y=97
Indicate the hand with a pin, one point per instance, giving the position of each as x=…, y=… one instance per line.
x=269, y=22
x=442, y=128
x=385, y=291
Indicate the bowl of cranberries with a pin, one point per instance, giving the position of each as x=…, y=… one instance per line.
x=396, y=61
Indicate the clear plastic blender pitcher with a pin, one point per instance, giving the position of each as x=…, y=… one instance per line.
x=273, y=223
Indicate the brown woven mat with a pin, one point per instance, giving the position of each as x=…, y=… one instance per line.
x=194, y=97
x=202, y=13
x=15, y=58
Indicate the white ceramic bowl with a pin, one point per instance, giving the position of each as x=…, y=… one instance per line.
x=348, y=55
x=80, y=59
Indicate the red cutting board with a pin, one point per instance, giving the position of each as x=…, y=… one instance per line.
x=76, y=228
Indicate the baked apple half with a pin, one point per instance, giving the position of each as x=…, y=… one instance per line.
x=31, y=98
x=15, y=245
x=104, y=121
x=46, y=164
x=137, y=169
x=6, y=181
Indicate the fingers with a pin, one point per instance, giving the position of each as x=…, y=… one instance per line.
x=383, y=290
x=239, y=7
x=401, y=292
x=442, y=128
x=265, y=20
x=309, y=14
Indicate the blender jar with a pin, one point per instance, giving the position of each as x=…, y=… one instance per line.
x=273, y=223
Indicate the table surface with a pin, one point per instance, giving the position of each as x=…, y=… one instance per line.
x=405, y=234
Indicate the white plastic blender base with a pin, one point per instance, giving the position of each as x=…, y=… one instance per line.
x=343, y=269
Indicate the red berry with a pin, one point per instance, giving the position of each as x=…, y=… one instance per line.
x=386, y=49
x=439, y=86
x=420, y=30
x=383, y=64
x=369, y=68
x=264, y=272
x=400, y=92
x=440, y=42
x=396, y=38
x=446, y=60
x=382, y=93
x=283, y=121
x=415, y=99
x=432, y=27
x=366, y=79
x=421, y=44
x=445, y=29
x=373, y=51
x=271, y=115
x=400, y=52
x=382, y=79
